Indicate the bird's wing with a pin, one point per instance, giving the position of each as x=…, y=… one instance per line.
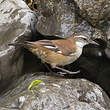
x=64, y=47
x=67, y=47
x=49, y=45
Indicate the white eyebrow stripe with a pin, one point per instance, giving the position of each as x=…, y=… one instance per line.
x=82, y=36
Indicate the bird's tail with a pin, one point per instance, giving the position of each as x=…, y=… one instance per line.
x=25, y=44
x=16, y=44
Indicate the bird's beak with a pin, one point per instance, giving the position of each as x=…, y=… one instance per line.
x=93, y=42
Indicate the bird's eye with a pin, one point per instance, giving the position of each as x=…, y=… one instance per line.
x=85, y=39
x=35, y=6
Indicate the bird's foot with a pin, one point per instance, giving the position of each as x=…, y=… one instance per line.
x=64, y=71
x=69, y=72
x=61, y=73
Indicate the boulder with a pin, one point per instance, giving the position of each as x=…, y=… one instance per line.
x=57, y=94
x=60, y=18
x=16, y=24
x=96, y=12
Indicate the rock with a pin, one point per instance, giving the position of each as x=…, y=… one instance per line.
x=95, y=11
x=86, y=29
x=56, y=18
x=16, y=24
x=107, y=31
x=59, y=18
x=2, y=108
x=107, y=52
x=57, y=94
x=96, y=69
x=107, y=28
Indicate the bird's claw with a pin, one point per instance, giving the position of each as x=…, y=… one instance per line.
x=72, y=73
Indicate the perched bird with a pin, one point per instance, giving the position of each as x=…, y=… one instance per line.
x=58, y=52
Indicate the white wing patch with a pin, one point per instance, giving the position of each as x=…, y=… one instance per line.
x=59, y=51
x=49, y=47
x=53, y=48
x=44, y=40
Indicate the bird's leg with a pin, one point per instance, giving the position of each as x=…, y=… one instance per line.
x=66, y=71
x=48, y=68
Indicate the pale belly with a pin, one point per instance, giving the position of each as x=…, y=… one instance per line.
x=61, y=60
x=55, y=59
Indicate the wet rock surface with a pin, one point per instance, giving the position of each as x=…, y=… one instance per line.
x=57, y=94
x=16, y=24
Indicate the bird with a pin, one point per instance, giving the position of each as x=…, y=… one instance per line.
x=58, y=52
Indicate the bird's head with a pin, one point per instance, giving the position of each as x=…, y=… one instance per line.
x=82, y=40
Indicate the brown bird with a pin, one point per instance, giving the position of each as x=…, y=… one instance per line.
x=58, y=52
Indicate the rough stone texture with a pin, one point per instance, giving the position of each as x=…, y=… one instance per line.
x=56, y=17
x=59, y=18
x=107, y=52
x=86, y=29
x=107, y=31
x=16, y=24
x=57, y=94
x=94, y=11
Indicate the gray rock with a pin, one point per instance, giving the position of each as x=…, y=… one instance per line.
x=86, y=29
x=107, y=52
x=107, y=31
x=59, y=18
x=94, y=11
x=56, y=18
x=16, y=24
x=57, y=94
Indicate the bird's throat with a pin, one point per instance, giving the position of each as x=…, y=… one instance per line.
x=79, y=44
